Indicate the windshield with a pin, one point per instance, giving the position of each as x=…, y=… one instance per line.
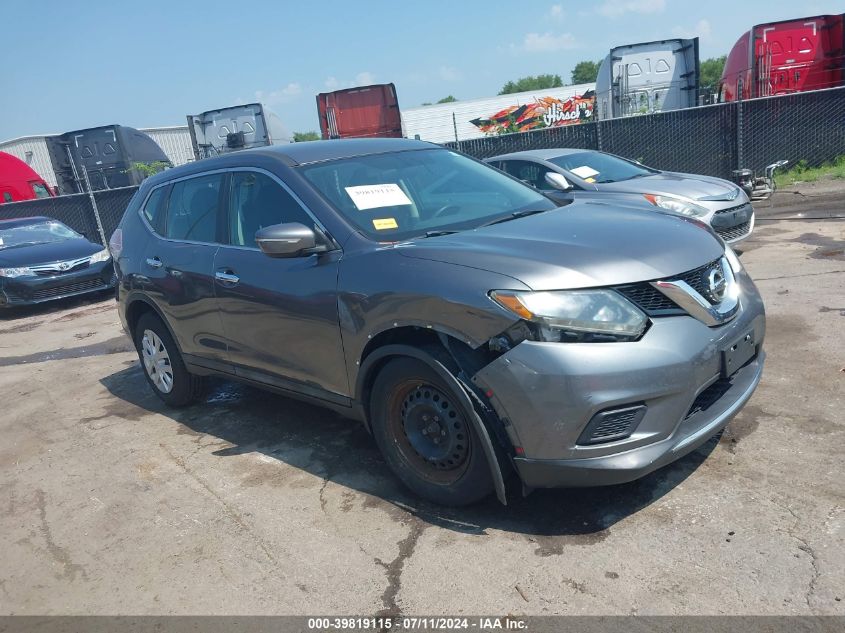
x=400, y=195
x=39, y=233
x=596, y=167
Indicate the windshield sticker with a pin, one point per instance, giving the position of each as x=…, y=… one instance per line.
x=584, y=172
x=591, y=179
x=377, y=196
x=385, y=223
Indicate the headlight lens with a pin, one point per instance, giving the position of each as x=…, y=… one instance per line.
x=101, y=256
x=733, y=259
x=677, y=205
x=598, y=312
x=16, y=272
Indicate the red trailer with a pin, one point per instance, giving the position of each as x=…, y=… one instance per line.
x=366, y=111
x=18, y=181
x=785, y=57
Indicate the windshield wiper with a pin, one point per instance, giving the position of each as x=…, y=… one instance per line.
x=513, y=216
x=436, y=233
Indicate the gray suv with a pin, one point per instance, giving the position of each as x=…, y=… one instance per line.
x=476, y=328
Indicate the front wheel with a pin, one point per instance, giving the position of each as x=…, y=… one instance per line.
x=162, y=363
x=426, y=435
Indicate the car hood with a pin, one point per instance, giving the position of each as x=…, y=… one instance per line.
x=586, y=244
x=673, y=184
x=46, y=253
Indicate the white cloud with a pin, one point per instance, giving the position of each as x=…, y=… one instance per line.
x=283, y=95
x=617, y=8
x=448, y=73
x=547, y=42
x=556, y=13
x=365, y=78
x=702, y=29
x=331, y=83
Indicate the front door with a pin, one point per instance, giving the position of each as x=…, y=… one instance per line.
x=279, y=316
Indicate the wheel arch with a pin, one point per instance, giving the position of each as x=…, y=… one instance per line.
x=138, y=305
x=437, y=355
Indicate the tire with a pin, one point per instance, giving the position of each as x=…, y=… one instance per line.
x=162, y=363
x=426, y=435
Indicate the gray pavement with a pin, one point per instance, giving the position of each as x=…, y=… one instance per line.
x=253, y=503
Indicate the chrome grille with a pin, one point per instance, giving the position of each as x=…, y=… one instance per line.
x=731, y=209
x=61, y=268
x=68, y=289
x=735, y=232
x=654, y=303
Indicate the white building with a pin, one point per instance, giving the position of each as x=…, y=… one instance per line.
x=444, y=122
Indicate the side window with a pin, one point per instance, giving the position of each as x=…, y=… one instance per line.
x=192, y=210
x=7, y=197
x=154, y=209
x=40, y=190
x=532, y=173
x=257, y=201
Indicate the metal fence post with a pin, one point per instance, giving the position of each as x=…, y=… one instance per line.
x=598, y=135
x=739, y=124
x=94, y=206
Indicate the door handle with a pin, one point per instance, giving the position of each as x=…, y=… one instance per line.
x=154, y=262
x=226, y=277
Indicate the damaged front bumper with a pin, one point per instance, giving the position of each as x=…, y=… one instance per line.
x=678, y=379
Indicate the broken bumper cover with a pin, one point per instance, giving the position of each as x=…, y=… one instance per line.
x=630, y=465
x=546, y=394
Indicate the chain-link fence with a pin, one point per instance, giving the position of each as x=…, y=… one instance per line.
x=77, y=211
x=712, y=140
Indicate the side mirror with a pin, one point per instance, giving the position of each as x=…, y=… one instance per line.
x=287, y=240
x=558, y=181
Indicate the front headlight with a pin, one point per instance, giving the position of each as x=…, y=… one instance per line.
x=101, y=256
x=677, y=205
x=16, y=272
x=568, y=315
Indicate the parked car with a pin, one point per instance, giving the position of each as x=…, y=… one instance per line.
x=42, y=259
x=473, y=325
x=720, y=203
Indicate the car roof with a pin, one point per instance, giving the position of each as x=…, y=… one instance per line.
x=9, y=224
x=316, y=151
x=294, y=154
x=542, y=154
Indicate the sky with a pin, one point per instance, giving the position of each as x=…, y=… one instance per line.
x=71, y=65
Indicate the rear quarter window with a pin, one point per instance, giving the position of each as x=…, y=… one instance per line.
x=192, y=209
x=154, y=208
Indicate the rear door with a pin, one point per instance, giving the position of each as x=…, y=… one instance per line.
x=280, y=316
x=178, y=265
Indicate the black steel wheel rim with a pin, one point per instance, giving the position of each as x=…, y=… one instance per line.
x=430, y=431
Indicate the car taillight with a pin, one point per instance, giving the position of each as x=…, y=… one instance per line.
x=116, y=243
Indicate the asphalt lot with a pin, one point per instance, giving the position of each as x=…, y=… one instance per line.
x=253, y=503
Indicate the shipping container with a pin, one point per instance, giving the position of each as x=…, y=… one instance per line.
x=490, y=116
x=648, y=77
x=365, y=111
x=234, y=128
x=785, y=57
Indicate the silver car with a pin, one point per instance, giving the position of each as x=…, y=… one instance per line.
x=567, y=174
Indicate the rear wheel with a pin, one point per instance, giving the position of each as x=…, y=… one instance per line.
x=427, y=436
x=162, y=363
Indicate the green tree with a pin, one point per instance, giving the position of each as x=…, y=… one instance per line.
x=585, y=72
x=539, y=82
x=710, y=72
x=150, y=169
x=449, y=99
x=298, y=137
